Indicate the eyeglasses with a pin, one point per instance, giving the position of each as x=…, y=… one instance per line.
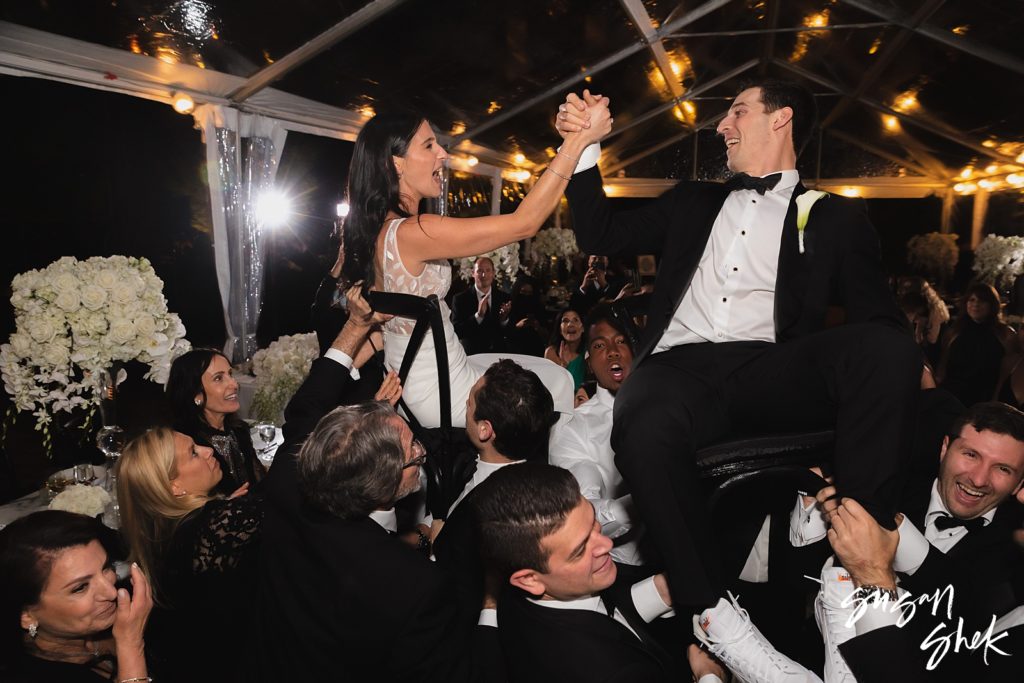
x=419, y=455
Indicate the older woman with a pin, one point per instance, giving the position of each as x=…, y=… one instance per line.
x=63, y=618
x=204, y=398
x=198, y=549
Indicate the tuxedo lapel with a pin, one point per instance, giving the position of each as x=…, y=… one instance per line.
x=793, y=269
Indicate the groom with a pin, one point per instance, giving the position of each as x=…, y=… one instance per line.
x=736, y=339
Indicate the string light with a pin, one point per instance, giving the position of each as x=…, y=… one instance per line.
x=182, y=103
x=891, y=123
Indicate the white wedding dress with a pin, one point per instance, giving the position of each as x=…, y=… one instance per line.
x=420, y=389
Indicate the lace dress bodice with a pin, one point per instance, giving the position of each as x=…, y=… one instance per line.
x=436, y=278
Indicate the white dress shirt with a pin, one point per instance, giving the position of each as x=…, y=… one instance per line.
x=480, y=474
x=582, y=445
x=732, y=294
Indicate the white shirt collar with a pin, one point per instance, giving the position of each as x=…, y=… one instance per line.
x=787, y=182
x=387, y=519
x=936, y=508
x=591, y=603
x=480, y=294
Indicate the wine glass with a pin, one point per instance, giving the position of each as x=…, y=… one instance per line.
x=267, y=432
x=111, y=440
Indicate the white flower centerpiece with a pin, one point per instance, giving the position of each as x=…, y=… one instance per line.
x=506, y=264
x=280, y=369
x=554, y=242
x=83, y=499
x=76, y=318
x=999, y=260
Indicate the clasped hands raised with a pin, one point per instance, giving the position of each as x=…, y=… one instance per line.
x=589, y=115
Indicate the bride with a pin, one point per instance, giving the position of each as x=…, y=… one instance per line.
x=397, y=162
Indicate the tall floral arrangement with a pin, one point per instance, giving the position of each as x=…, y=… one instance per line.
x=934, y=253
x=75, y=318
x=506, y=264
x=280, y=369
x=557, y=242
x=999, y=260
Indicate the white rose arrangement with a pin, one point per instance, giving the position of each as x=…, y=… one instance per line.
x=75, y=318
x=935, y=253
x=83, y=499
x=999, y=260
x=558, y=242
x=280, y=369
x=506, y=264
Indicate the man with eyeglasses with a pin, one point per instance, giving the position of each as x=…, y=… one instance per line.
x=341, y=598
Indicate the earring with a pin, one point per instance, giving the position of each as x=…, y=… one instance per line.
x=198, y=401
x=33, y=629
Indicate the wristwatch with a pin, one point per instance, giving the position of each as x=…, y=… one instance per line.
x=867, y=594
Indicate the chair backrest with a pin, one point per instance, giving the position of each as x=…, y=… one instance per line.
x=427, y=313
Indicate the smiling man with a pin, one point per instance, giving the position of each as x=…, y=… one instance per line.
x=583, y=444
x=736, y=340
x=559, y=612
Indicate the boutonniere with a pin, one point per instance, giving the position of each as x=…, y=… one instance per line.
x=803, y=209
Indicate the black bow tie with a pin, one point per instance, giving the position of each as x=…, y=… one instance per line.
x=742, y=181
x=943, y=522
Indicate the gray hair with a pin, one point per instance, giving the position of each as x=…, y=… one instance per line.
x=352, y=462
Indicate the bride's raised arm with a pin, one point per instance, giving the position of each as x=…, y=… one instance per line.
x=428, y=237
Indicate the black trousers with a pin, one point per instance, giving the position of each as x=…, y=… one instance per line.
x=861, y=380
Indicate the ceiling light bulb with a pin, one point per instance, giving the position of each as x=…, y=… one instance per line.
x=183, y=103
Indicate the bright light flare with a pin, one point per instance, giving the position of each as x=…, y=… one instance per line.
x=273, y=209
x=342, y=209
x=891, y=123
x=851, y=191
x=183, y=103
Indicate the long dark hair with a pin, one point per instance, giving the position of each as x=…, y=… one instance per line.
x=556, y=330
x=985, y=293
x=28, y=548
x=184, y=382
x=373, y=189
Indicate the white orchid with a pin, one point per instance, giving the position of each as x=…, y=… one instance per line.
x=804, y=203
x=999, y=260
x=557, y=242
x=74, y=318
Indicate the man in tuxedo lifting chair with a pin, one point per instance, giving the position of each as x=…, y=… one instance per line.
x=736, y=339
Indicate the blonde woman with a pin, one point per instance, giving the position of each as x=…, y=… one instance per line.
x=198, y=550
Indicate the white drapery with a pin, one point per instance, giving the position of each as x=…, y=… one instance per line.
x=242, y=155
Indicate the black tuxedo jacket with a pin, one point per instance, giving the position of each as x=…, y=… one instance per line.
x=549, y=644
x=484, y=337
x=345, y=600
x=986, y=568
x=840, y=264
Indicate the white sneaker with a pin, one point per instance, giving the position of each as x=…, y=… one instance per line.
x=727, y=632
x=834, y=621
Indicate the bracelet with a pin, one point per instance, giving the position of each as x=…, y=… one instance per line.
x=563, y=177
x=423, y=544
x=575, y=160
x=137, y=679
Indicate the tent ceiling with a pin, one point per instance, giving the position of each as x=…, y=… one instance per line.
x=494, y=72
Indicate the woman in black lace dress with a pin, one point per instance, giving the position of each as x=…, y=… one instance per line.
x=199, y=552
x=204, y=399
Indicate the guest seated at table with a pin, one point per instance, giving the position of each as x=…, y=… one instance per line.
x=198, y=550
x=204, y=400
x=566, y=345
x=973, y=348
x=61, y=616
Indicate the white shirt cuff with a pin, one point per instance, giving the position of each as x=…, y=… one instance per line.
x=588, y=158
x=343, y=358
x=912, y=549
x=647, y=600
x=488, y=617
x=806, y=524
x=709, y=678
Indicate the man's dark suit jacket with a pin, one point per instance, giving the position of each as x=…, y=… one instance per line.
x=840, y=264
x=566, y=645
x=345, y=600
x=484, y=337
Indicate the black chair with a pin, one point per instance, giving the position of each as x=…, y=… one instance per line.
x=451, y=457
